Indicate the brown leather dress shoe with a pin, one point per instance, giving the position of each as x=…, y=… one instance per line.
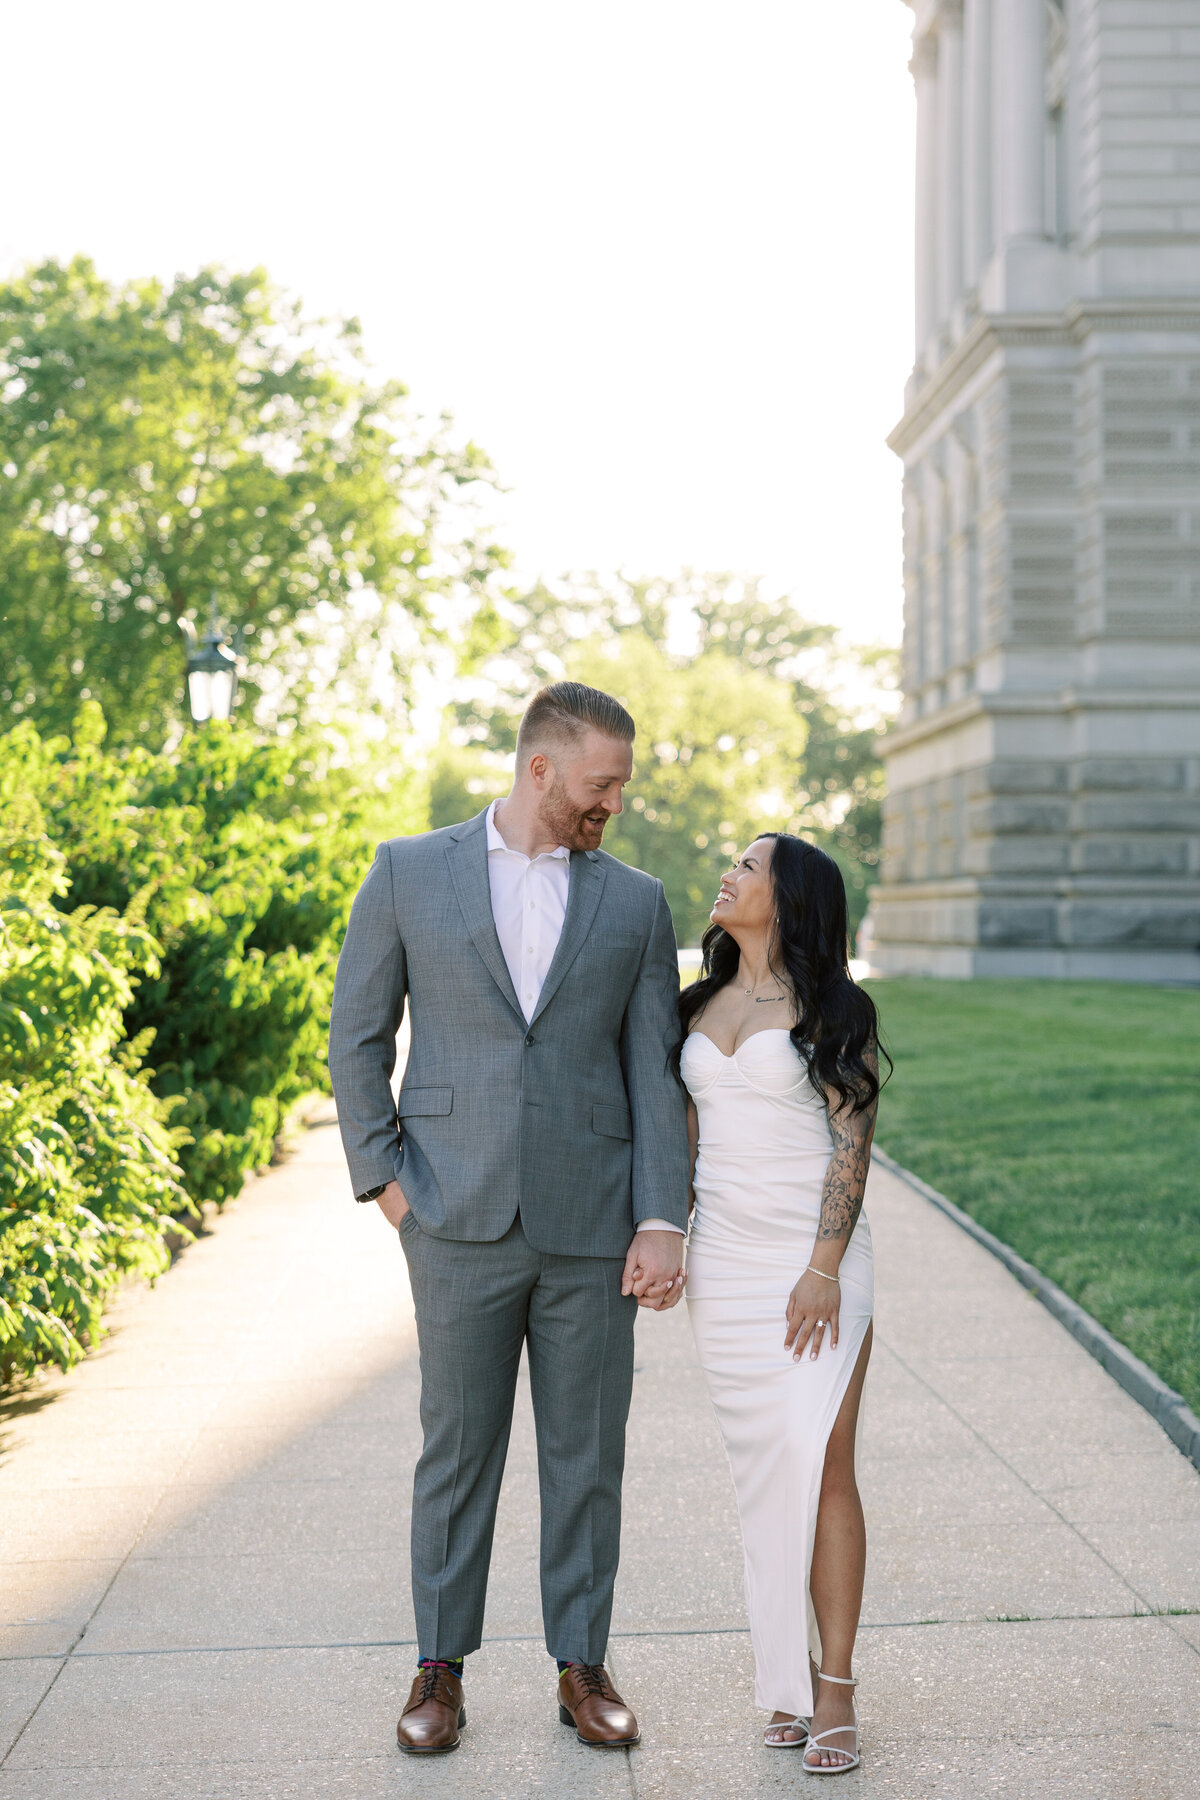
x=429, y=1724
x=588, y=1700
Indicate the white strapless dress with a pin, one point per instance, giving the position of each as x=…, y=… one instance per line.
x=764, y=1149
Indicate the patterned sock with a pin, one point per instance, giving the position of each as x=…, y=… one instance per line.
x=453, y=1663
x=572, y=1662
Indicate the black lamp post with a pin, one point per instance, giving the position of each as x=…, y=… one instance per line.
x=212, y=670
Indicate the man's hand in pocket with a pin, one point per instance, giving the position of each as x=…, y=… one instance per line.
x=392, y=1204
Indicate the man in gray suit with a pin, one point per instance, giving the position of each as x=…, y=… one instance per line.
x=536, y=1168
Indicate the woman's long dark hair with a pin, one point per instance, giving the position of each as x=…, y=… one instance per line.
x=836, y=1033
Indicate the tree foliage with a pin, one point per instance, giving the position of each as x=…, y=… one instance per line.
x=716, y=759
x=840, y=790
x=159, y=445
x=746, y=728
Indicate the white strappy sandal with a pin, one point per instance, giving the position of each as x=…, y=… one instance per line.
x=801, y=1725
x=797, y=1724
x=815, y=1743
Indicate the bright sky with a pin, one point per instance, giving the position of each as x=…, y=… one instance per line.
x=654, y=255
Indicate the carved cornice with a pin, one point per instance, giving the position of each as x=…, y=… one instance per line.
x=1055, y=702
x=1013, y=331
x=1046, y=887
x=968, y=355
x=1180, y=313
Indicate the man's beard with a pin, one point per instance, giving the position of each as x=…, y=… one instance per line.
x=567, y=823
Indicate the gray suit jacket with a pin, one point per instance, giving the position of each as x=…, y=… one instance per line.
x=575, y=1119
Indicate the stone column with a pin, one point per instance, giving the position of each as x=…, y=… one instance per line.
x=977, y=139
x=1021, y=119
x=950, y=157
x=924, y=67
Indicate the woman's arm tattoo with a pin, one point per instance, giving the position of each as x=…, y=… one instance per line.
x=846, y=1176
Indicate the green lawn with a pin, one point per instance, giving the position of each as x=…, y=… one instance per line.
x=1064, y=1116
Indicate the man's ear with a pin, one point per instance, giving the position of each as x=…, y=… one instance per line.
x=540, y=768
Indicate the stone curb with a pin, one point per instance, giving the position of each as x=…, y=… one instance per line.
x=1169, y=1408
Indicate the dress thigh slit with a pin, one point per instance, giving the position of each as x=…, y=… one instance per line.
x=775, y=1416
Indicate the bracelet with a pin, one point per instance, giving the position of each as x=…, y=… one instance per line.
x=824, y=1277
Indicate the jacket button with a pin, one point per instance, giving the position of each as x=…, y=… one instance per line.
x=530, y=1038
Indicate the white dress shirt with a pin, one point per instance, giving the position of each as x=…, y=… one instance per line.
x=529, y=904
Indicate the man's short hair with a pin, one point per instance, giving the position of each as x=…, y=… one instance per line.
x=563, y=711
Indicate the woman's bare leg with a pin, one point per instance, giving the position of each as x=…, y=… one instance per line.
x=838, y=1567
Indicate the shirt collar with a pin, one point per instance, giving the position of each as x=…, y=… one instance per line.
x=496, y=842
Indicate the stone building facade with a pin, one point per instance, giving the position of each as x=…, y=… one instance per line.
x=1043, y=815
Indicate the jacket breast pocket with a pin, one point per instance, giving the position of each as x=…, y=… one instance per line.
x=612, y=1121
x=424, y=1102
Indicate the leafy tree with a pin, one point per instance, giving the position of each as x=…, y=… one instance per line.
x=840, y=799
x=716, y=761
x=755, y=708
x=159, y=445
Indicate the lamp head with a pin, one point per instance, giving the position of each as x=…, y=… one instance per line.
x=212, y=671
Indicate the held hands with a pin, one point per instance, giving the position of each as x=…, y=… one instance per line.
x=812, y=1314
x=654, y=1269
x=392, y=1204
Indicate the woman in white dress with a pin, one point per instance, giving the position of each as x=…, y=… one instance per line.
x=779, y=1056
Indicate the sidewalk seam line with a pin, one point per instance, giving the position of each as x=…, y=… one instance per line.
x=628, y=1752
x=534, y=1637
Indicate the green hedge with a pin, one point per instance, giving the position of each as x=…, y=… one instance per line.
x=88, y=1157
x=179, y=908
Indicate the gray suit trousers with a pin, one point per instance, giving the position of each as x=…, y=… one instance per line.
x=476, y=1305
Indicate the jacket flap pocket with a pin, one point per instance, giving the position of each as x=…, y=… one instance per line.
x=612, y=1121
x=422, y=1102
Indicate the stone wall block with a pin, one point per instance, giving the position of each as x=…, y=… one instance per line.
x=1022, y=856
x=1148, y=13
x=1127, y=40
x=1129, y=772
x=1040, y=777
x=1142, y=191
x=1134, y=921
x=943, y=922
x=1139, y=812
x=1130, y=856
x=1139, y=14
x=1175, y=129
x=1018, y=922
x=1017, y=813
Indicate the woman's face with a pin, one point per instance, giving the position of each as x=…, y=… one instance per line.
x=747, y=898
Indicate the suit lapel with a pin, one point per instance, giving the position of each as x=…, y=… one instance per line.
x=583, y=898
x=467, y=857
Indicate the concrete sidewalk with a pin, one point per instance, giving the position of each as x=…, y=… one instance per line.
x=204, y=1544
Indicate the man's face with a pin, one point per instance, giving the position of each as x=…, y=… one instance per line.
x=581, y=788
